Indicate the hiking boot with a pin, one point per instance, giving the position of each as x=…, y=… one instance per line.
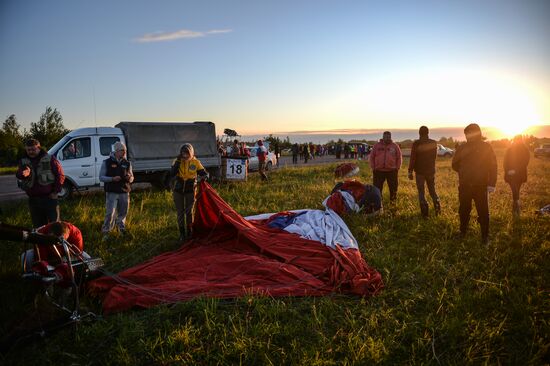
x=105, y=237
x=460, y=235
x=126, y=234
x=485, y=241
x=424, y=209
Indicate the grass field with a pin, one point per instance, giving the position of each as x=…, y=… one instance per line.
x=8, y=170
x=446, y=300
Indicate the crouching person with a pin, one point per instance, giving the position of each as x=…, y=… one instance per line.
x=184, y=173
x=116, y=173
x=52, y=255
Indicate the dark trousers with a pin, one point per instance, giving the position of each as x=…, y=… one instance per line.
x=478, y=194
x=428, y=180
x=43, y=210
x=294, y=159
x=184, y=207
x=515, y=187
x=379, y=177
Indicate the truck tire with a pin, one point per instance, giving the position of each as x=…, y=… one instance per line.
x=66, y=191
x=162, y=181
x=269, y=166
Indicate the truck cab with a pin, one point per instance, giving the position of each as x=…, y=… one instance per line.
x=81, y=153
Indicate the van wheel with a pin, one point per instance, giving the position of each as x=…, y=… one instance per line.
x=66, y=191
x=269, y=166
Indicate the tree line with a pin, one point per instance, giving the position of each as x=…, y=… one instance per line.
x=48, y=130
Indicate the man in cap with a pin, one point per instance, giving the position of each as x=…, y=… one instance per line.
x=476, y=164
x=116, y=173
x=422, y=162
x=385, y=161
x=41, y=176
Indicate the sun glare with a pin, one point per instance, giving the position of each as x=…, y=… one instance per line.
x=490, y=98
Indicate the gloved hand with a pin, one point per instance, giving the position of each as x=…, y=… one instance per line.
x=511, y=172
x=411, y=176
x=200, y=178
x=490, y=189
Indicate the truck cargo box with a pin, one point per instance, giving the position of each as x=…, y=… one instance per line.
x=154, y=145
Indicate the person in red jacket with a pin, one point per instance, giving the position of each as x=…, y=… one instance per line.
x=65, y=229
x=385, y=161
x=69, y=232
x=41, y=176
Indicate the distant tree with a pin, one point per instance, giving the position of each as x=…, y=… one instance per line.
x=49, y=129
x=272, y=140
x=11, y=141
x=447, y=141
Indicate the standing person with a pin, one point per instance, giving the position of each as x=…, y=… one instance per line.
x=41, y=176
x=295, y=149
x=385, y=161
x=261, y=153
x=516, y=160
x=236, y=151
x=185, y=170
x=277, y=152
x=306, y=152
x=245, y=151
x=476, y=165
x=422, y=162
x=116, y=173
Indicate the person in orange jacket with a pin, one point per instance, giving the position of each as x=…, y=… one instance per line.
x=385, y=161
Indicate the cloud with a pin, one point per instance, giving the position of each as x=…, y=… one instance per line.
x=180, y=34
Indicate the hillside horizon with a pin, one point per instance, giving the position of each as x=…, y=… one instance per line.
x=457, y=133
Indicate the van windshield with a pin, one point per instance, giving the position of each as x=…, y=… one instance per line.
x=55, y=148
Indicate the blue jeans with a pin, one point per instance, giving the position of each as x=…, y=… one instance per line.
x=119, y=203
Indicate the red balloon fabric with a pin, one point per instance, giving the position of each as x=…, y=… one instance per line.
x=230, y=257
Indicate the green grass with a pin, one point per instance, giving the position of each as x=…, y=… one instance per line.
x=8, y=170
x=446, y=300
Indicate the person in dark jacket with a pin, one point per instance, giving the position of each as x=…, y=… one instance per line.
x=41, y=176
x=422, y=162
x=476, y=164
x=116, y=173
x=184, y=172
x=516, y=160
x=295, y=151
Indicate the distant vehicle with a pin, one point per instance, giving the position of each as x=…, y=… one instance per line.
x=253, y=163
x=444, y=151
x=152, y=148
x=542, y=151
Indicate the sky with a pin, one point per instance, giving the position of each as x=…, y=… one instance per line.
x=278, y=66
